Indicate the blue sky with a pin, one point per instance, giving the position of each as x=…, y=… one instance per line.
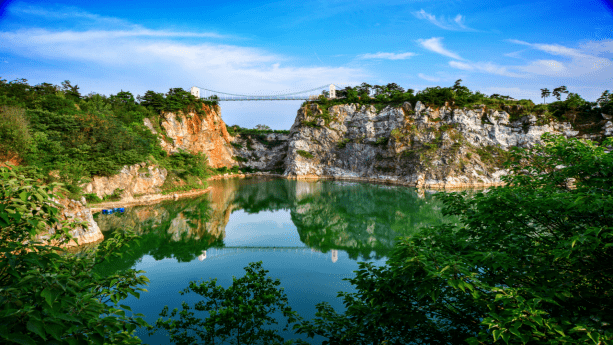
x=508, y=47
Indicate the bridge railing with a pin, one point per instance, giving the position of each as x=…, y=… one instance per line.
x=212, y=95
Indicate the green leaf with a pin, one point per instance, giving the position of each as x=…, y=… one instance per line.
x=496, y=333
x=23, y=196
x=50, y=295
x=55, y=330
x=21, y=339
x=36, y=327
x=97, y=339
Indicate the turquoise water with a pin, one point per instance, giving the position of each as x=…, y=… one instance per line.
x=310, y=235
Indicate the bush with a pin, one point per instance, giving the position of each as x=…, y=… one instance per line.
x=305, y=154
x=341, y=144
x=48, y=295
x=15, y=138
x=242, y=313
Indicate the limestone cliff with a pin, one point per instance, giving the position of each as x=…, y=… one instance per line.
x=132, y=181
x=262, y=152
x=414, y=146
x=196, y=132
x=86, y=231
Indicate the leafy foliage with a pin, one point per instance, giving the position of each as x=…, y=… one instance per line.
x=46, y=294
x=240, y=314
x=528, y=265
x=305, y=154
x=15, y=135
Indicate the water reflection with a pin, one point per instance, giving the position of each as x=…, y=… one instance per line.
x=362, y=220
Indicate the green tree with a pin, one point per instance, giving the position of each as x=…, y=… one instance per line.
x=15, y=138
x=46, y=294
x=528, y=264
x=558, y=91
x=544, y=94
x=153, y=100
x=72, y=92
x=605, y=102
x=240, y=314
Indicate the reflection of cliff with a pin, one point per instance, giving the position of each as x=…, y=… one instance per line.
x=179, y=229
x=355, y=217
x=361, y=218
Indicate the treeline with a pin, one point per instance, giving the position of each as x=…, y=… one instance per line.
x=55, y=128
x=572, y=108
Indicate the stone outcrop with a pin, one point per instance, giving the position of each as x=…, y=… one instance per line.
x=417, y=146
x=132, y=180
x=196, y=132
x=86, y=230
x=262, y=152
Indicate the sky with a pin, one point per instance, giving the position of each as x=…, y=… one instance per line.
x=267, y=47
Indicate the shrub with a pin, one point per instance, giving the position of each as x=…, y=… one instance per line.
x=48, y=295
x=305, y=154
x=381, y=141
x=15, y=135
x=341, y=144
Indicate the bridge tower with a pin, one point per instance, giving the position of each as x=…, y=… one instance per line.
x=332, y=91
x=195, y=91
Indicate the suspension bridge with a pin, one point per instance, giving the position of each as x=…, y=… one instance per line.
x=226, y=251
x=306, y=95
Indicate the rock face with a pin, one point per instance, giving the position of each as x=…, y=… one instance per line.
x=196, y=132
x=86, y=232
x=416, y=146
x=133, y=180
x=262, y=152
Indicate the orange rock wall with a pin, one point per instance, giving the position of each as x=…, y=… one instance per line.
x=196, y=133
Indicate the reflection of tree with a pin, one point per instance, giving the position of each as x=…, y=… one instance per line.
x=173, y=229
x=362, y=218
x=358, y=218
x=256, y=196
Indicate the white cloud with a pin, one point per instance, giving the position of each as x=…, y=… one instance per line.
x=448, y=24
x=231, y=67
x=434, y=44
x=387, y=56
x=485, y=67
x=580, y=62
x=429, y=78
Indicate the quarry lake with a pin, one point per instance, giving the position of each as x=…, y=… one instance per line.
x=310, y=235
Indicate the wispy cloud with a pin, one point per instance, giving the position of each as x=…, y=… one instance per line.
x=485, y=67
x=456, y=24
x=434, y=44
x=222, y=63
x=577, y=62
x=387, y=56
x=428, y=78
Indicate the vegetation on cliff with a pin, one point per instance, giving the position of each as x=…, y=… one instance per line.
x=59, y=130
x=574, y=108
